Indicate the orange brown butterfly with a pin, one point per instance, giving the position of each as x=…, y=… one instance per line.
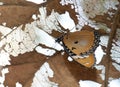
x=81, y=45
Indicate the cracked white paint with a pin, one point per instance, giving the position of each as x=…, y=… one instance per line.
x=48, y=23
x=115, y=51
x=41, y=78
x=51, y=22
x=19, y=41
x=87, y=9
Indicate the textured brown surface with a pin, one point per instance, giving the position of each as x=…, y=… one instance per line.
x=67, y=74
x=16, y=15
x=22, y=68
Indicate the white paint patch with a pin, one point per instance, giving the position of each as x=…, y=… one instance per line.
x=37, y=1
x=2, y=78
x=1, y=3
x=102, y=68
x=4, y=23
x=99, y=54
x=66, y=21
x=116, y=66
x=89, y=83
x=19, y=41
x=45, y=51
x=70, y=59
x=41, y=78
x=4, y=58
x=114, y=83
x=51, y=22
x=44, y=38
x=87, y=9
x=5, y=30
x=18, y=84
x=48, y=23
x=104, y=40
x=34, y=17
x=62, y=53
x=115, y=51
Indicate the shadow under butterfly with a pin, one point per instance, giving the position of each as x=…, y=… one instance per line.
x=80, y=46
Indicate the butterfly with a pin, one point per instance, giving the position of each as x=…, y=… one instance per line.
x=81, y=45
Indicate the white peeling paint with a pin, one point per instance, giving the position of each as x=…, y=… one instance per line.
x=52, y=21
x=18, y=41
x=89, y=83
x=66, y=21
x=48, y=23
x=5, y=30
x=4, y=58
x=41, y=78
x=47, y=40
x=102, y=68
x=87, y=9
x=34, y=17
x=2, y=78
x=1, y=3
x=37, y=1
x=117, y=66
x=114, y=83
x=4, y=23
x=99, y=54
x=70, y=59
x=45, y=51
x=115, y=51
x=18, y=84
x=104, y=40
